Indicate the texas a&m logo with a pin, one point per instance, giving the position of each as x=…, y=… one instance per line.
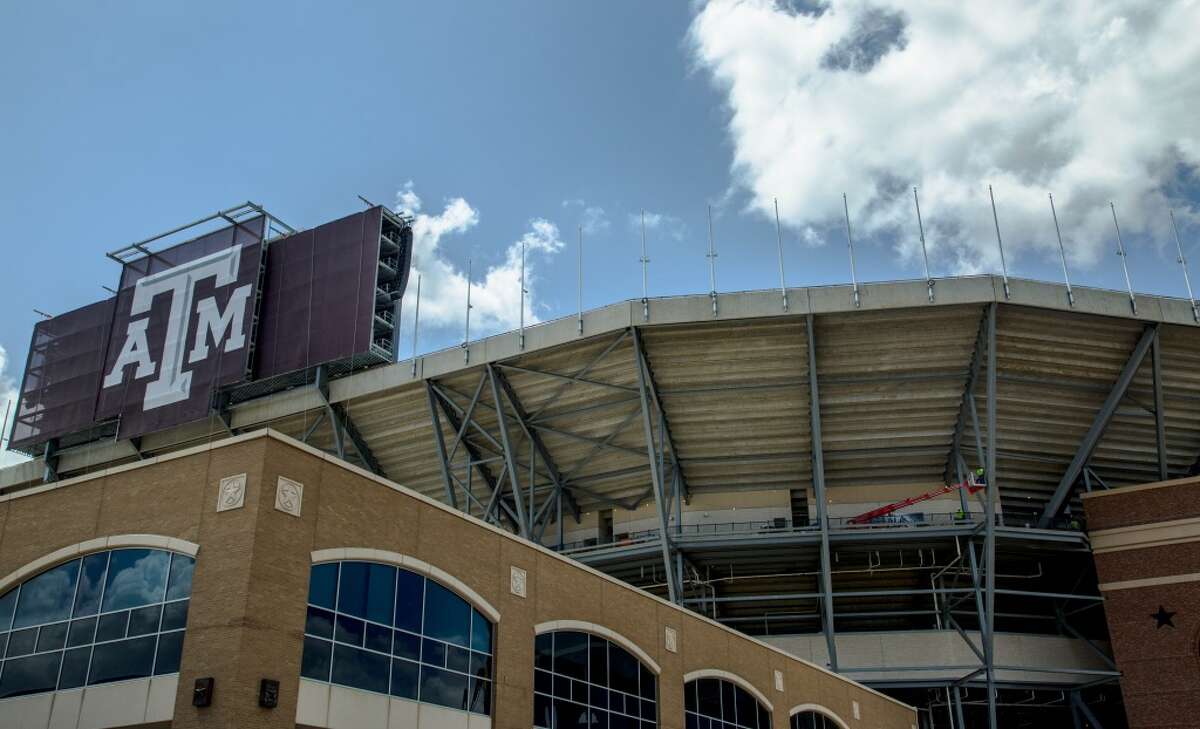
x=227, y=325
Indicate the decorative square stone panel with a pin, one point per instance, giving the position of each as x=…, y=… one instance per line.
x=232, y=493
x=857, y=711
x=779, y=681
x=518, y=581
x=672, y=639
x=288, y=496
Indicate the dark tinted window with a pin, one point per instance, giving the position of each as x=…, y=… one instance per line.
x=583, y=680
x=378, y=628
x=812, y=720
x=720, y=703
x=47, y=597
x=134, y=635
x=136, y=577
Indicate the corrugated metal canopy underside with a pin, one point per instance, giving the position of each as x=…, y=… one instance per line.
x=736, y=397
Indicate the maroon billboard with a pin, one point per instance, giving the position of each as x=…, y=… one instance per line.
x=196, y=319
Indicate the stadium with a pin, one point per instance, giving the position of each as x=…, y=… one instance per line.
x=881, y=479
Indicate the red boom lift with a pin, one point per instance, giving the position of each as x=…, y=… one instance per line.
x=972, y=484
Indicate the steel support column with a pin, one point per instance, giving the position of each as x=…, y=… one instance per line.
x=818, y=479
x=1099, y=424
x=344, y=428
x=440, y=440
x=655, y=477
x=990, y=515
x=50, y=461
x=511, y=471
x=1160, y=419
x=1085, y=710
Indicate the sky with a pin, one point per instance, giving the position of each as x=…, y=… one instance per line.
x=537, y=121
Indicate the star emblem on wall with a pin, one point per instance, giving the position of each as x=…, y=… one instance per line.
x=1164, y=617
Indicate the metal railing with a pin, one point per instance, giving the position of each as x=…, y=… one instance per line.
x=918, y=520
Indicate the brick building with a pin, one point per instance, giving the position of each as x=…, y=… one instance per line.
x=1146, y=541
x=278, y=586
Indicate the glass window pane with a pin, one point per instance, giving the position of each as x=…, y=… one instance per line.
x=22, y=642
x=122, y=660
x=136, y=577
x=180, y=583
x=481, y=665
x=623, y=670
x=175, y=615
x=29, y=675
x=571, y=654
x=481, y=697
x=433, y=652
x=74, y=668
x=598, y=660
x=406, y=645
x=543, y=712
x=543, y=651
x=728, y=701
x=144, y=620
x=443, y=688
x=349, y=630
x=360, y=669
x=458, y=659
x=689, y=697
x=82, y=632
x=405, y=677
x=52, y=637
x=381, y=593
x=319, y=623
x=170, y=649
x=47, y=598
x=568, y=714
x=410, y=595
x=708, y=697
x=647, y=683
x=379, y=638
x=322, y=584
x=747, y=708
x=8, y=603
x=481, y=632
x=352, y=589
x=447, y=616
x=112, y=626
x=316, y=659
x=91, y=579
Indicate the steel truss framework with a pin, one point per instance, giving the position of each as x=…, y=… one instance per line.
x=495, y=465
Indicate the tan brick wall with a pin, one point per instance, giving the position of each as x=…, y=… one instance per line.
x=251, y=582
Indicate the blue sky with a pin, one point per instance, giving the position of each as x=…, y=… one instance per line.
x=528, y=119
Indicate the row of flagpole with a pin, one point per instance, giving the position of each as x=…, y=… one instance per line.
x=711, y=255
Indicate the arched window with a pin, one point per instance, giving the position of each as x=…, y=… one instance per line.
x=810, y=719
x=584, y=681
x=380, y=628
x=714, y=703
x=109, y=616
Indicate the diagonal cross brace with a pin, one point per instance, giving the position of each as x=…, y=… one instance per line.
x=1099, y=425
x=342, y=425
x=522, y=418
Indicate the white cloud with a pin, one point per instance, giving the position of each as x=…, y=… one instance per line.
x=1091, y=100
x=8, y=403
x=495, y=290
x=661, y=222
x=592, y=218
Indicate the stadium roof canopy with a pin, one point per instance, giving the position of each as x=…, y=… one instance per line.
x=893, y=372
